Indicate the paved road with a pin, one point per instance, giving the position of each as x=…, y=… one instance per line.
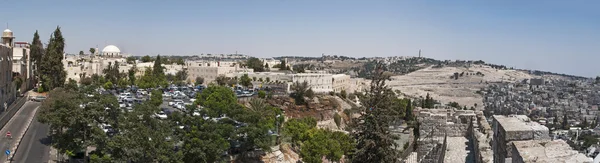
x=17, y=126
x=35, y=145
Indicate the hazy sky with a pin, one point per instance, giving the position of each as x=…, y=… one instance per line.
x=553, y=35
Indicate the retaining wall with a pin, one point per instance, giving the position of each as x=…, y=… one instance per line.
x=12, y=109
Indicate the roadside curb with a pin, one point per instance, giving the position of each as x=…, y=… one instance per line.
x=22, y=135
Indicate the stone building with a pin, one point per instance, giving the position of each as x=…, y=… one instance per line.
x=22, y=64
x=546, y=151
x=341, y=82
x=514, y=128
x=319, y=82
x=7, y=88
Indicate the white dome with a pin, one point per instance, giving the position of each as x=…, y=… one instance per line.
x=7, y=30
x=111, y=49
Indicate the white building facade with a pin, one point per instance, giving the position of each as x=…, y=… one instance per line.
x=7, y=88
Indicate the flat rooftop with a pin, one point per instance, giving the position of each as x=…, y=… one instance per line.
x=546, y=151
x=519, y=123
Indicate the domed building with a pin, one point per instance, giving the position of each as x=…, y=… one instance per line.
x=111, y=51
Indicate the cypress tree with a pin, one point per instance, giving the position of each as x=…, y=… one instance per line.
x=37, y=51
x=52, y=71
x=158, y=73
x=374, y=141
x=409, y=111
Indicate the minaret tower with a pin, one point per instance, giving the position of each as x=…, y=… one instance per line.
x=7, y=38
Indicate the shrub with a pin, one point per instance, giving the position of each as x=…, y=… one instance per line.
x=108, y=85
x=332, y=93
x=262, y=94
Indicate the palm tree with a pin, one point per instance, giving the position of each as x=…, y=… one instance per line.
x=257, y=104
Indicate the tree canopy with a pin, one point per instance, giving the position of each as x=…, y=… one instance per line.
x=256, y=64
x=36, y=53
x=52, y=71
x=374, y=141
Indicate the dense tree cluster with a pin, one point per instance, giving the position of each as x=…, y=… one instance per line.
x=52, y=71
x=153, y=77
x=428, y=102
x=256, y=64
x=314, y=144
x=77, y=121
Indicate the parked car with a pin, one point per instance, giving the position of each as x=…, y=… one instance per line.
x=38, y=98
x=161, y=115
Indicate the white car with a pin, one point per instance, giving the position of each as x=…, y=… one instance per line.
x=175, y=102
x=180, y=106
x=161, y=115
x=195, y=114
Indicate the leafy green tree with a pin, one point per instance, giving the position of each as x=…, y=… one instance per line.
x=156, y=98
x=181, y=76
x=301, y=90
x=158, y=73
x=111, y=73
x=221, y=80
x=454, y=105
x=296, y=129
x=409, y=111
x=268, y=79
x=246, y=81
x=217, y=100
x=86, y=81
x=52, y=70
x=123, y=83
x=322, y=143
x=146, y=59
x=146, y=139
x=130, y=60
x=375, y=143
x=256, y=64
x=108, y=85
x=71, y=85
x=36, y=53
x=180, y=61
x=131, y=74
x=92, y=50
x=81, y=52
x=69, y=121
x=147, y=80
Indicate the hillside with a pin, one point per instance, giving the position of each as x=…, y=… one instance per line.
x=438, y=82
